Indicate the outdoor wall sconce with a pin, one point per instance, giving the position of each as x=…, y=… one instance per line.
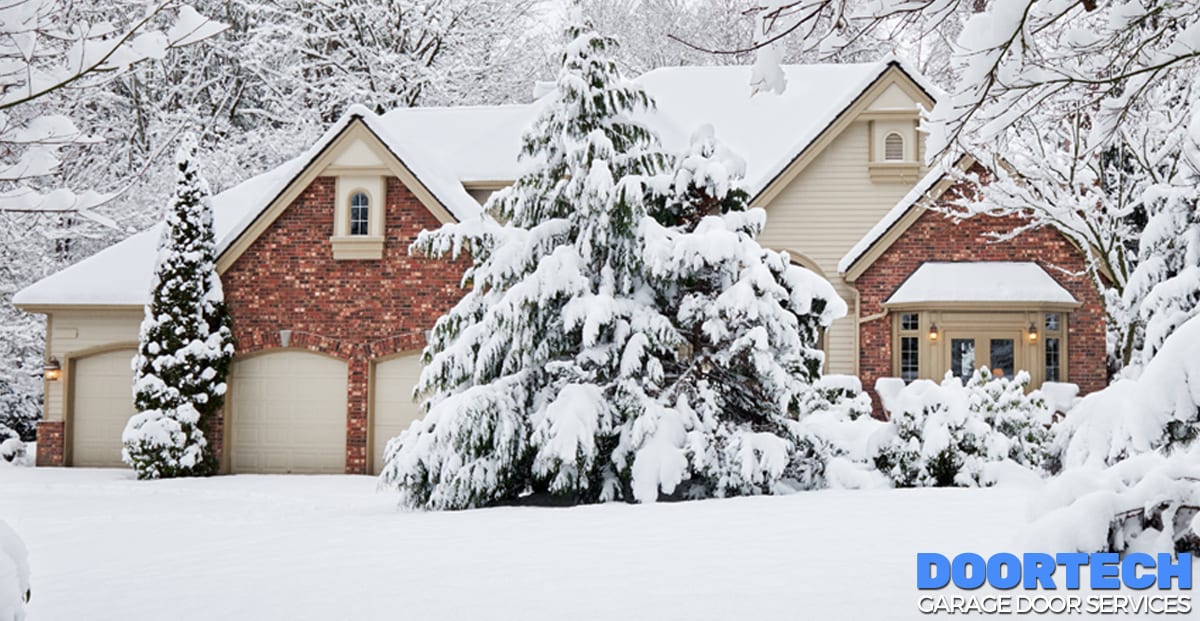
x=285, y=338
x=52, y=370
x=1033, y=333
x=933, y=332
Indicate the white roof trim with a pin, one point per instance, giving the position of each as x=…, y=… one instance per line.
x=885, y=224
x=982, y=281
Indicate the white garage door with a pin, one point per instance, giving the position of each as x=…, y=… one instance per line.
x=103, y=402
x=394, y=406
x=288, y=413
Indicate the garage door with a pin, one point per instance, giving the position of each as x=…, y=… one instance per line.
x=103, y=402
x=288, y=414
x=394, y=407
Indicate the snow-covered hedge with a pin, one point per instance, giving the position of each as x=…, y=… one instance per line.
x=14, y=575
x=946, y=434
x=1131, y=461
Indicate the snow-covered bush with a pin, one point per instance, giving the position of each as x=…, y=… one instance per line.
x=1145, y=503
x=944, y=435
x=622, y=336
x=12, y=449
x=1159, y=409
x=186, y=344
x=14, y=575
x=1131, y=460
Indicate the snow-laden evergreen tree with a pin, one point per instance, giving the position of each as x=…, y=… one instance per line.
x=564, y=369
x=524, y=385
x=186, y=344
x=1165, y=285
x=751, y=320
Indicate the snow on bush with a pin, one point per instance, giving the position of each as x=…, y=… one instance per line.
x=186, y=344
x=1161, y=408
x=12, y=449
x=1132, y=461
x=623, y=335
x=947, y=434
x=14, y=575
x=1146, y=503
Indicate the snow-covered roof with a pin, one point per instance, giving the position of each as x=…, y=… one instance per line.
x=446, y=148
x=983, y=281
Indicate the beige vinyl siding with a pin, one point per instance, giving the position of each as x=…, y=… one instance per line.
x=823, y=212
x=76, y=332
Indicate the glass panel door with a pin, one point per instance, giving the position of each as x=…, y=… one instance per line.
x=962, y=358
x=1002, y=357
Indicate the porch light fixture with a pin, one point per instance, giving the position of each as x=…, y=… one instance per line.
x=285, y=338
x=52, y=370
x=933, y=332
x=1033, y=333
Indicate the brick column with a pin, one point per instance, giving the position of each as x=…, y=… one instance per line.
x=356, y=415
x=51, y=443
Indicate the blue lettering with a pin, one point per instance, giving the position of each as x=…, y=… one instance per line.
x=933, y=570
x=1004, y=571
x=1129, y=570
x=1181, y=570
x=978, y=571
x=1105, y=570
x=1072, y=561
x=1039, y=569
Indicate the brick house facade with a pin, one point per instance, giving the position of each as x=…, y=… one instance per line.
x=937, y=237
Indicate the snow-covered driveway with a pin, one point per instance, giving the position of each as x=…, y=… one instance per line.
x=103, y=546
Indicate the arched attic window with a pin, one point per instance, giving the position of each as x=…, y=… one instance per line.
x=893, y=147
x=360, y=214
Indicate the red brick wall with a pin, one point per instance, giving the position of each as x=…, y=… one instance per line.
x=934, y=237
x=352, y=310
x=50, y=443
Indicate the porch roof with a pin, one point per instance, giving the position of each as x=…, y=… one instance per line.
x=981, y=282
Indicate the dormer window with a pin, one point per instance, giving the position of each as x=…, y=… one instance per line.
x=893, y=147
x=360, y=211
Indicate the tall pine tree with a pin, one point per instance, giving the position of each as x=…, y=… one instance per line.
x=555, y=372
x=186, y=344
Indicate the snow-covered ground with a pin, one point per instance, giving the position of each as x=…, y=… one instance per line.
x=104, y=546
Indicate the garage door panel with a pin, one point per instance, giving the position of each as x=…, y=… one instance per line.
x=288, y=414
x=394, y=409
x=103, y=402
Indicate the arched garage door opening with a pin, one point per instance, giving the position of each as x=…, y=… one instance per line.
x=393, y=408
x=102, y=402
x=287, y=414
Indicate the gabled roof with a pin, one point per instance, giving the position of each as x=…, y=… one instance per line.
x=446, y=149
x=120, y=275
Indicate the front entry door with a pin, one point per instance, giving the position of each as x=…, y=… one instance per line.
x=966, y=352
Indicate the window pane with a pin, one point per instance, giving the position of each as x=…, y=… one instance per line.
x=909, y=357
x=1052, y=322
x=1002, y=357
x=1052, y=360
x=359, y=210
x=909, y=321
x=962, y=358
